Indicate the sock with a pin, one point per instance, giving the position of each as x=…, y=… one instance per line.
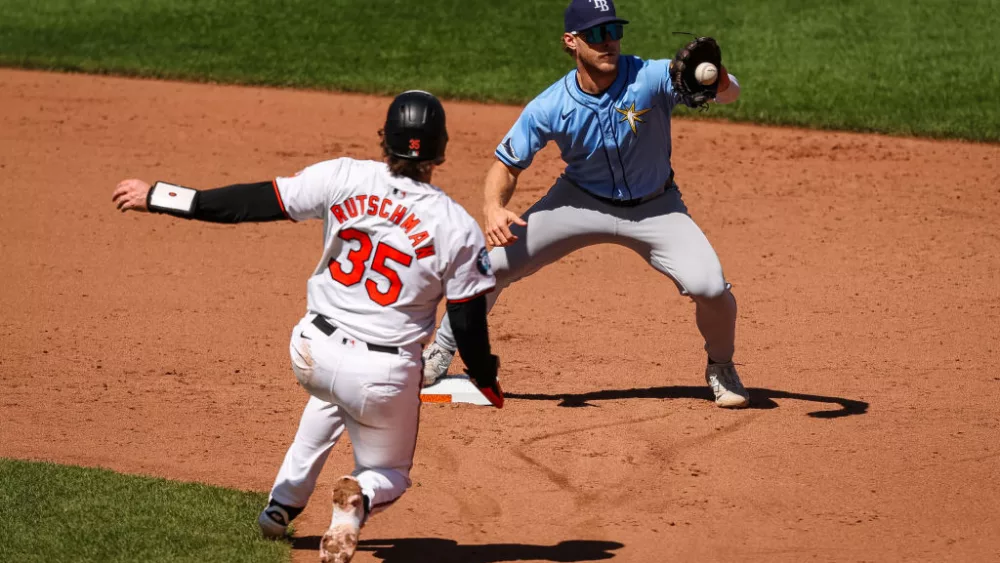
x=293, y=511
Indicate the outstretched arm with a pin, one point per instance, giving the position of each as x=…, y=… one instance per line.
x=231, y=204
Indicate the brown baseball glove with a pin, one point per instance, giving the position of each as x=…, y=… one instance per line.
x=682, y=71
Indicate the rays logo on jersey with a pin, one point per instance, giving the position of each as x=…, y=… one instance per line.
x=483, y=262
x=509, y=149
x=632, y=115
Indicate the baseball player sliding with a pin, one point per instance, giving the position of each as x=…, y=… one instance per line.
x=610, y=117
x=394, y=245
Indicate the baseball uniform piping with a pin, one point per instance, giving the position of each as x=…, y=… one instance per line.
x=480, y=294
x=281, y=202
x=597, y=114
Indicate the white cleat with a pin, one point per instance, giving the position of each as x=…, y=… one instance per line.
x=437, y=360
x=726, y=384
x=340, y=541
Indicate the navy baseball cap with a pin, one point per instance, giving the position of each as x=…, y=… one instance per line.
x=584, y=14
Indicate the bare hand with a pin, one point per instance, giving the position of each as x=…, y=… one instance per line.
x=131, y=195
x=498, y=221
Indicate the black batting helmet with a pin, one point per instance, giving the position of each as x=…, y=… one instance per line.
x=414, y=127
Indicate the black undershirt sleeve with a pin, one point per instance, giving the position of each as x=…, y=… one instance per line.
x=468, y=322
x=239, y=203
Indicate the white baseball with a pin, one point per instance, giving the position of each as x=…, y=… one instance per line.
x=706, y=73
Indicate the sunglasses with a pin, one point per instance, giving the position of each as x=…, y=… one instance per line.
x=596, y=34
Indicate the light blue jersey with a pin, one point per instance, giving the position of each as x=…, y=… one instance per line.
x=615, y=145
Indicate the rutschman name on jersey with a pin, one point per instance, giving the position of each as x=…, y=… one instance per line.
x=392, y=248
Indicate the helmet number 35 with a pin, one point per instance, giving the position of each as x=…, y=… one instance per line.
x=359, y=256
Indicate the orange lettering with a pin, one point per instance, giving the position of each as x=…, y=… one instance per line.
x=425, y=251
x=410, y=222
x=351, y=207
x=418, y=238
x=398, y=214
x=338, y=213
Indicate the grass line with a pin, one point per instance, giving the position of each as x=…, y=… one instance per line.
x=51, y=513
x=911, y=67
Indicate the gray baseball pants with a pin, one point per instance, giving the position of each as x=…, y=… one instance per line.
x=660, y=230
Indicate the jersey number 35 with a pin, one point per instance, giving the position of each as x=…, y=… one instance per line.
x=359, y=256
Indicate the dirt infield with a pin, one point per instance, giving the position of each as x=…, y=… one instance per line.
x=867, y=270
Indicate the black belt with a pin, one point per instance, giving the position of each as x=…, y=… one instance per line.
x=326, y=328
x=628, y=202
x=625, y=202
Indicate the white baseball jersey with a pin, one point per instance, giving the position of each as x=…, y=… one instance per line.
x=392, y=248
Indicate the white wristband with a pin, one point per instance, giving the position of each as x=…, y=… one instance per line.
x=171, y=199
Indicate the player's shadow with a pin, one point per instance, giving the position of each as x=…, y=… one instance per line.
x=438, y=550
x=759, y=398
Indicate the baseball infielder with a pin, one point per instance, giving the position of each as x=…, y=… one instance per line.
x=394, y=245
x=610, y=118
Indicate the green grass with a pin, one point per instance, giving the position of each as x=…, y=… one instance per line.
x=914, y=67
x=51, y=513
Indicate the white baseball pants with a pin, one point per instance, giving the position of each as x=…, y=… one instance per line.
x=374, y=395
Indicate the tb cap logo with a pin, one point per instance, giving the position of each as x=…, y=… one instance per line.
x=585, y=14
